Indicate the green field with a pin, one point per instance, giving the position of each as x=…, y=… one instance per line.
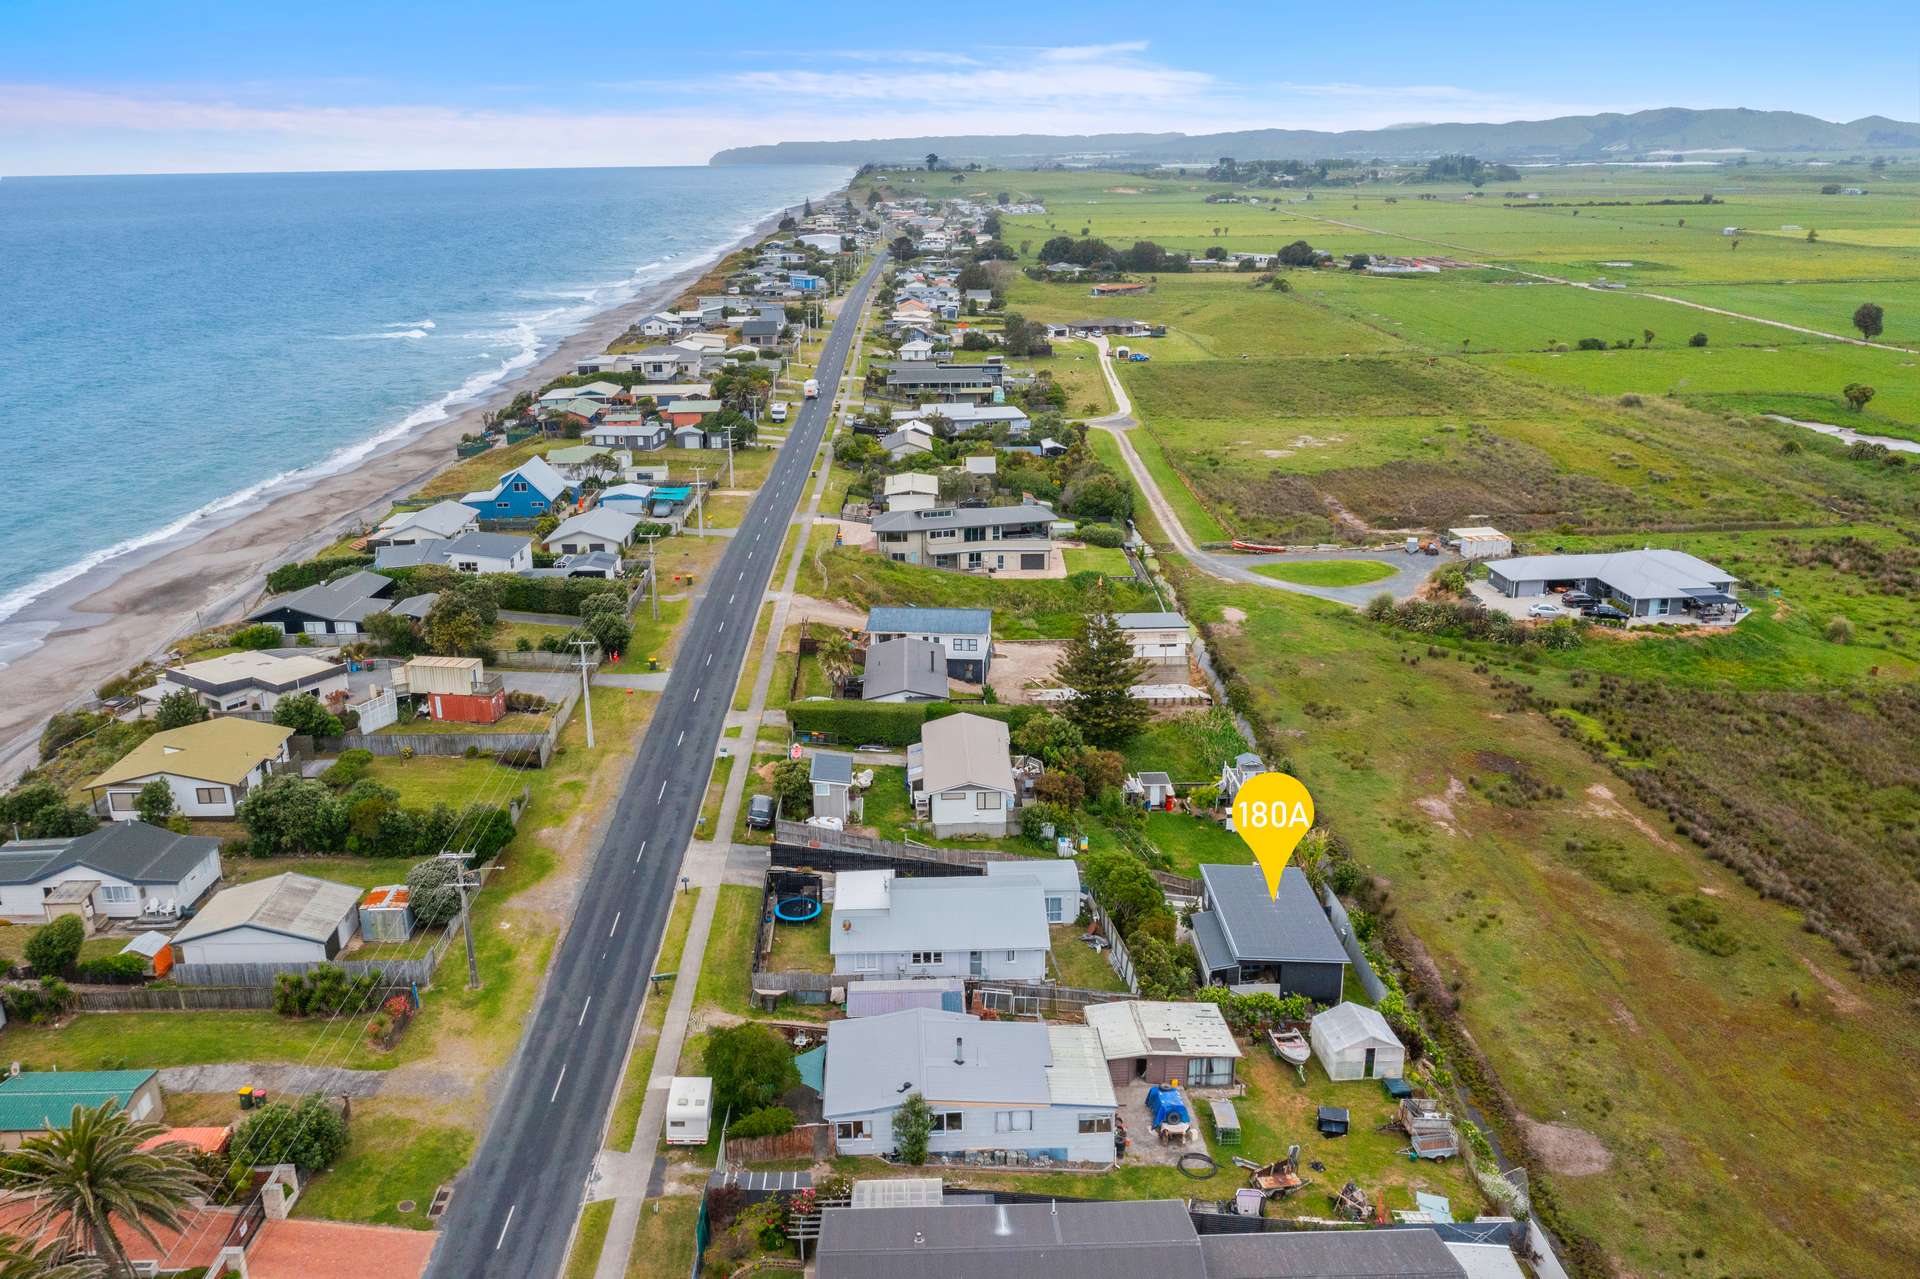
x=1328, y=572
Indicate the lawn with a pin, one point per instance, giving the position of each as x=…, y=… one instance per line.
x=1327, y=572
x=653, y=641
x=13, y=944
x=1022, y=608
x=802, y=948
x=507, y=635
x=716, y=794
x=512, y=722
x=726, y=967
x=756, y=649
x=1079, y=965
x=1188, y=841
x=393, y=1156
x=632, y=1097
x=1189, y=747
x=117, y=1041
x=1110, y=560
x=663, y=1245
x=589, y=1240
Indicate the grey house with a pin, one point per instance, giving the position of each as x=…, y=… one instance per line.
x=328, y=608
x=832, y=776
x=1253, y=942
x=981, y=539
x=959, y=382
x=905, y=670
x=1652, y=584
x=966, y=634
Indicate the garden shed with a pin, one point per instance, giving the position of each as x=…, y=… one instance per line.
x=1353, y=1041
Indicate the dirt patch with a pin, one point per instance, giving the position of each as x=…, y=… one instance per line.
x=1603, y=804
x=805, y=608
x=1412, y=952
x=1125, y=191
x=1623, y=1016
x=852, y=533
x=1440, y=807
x=1317, y=442
x=1843, y=999
x=1230, y=620
x=1276, y=452
x=1495, y=762
x=1018, y=664
x=1565, y=1149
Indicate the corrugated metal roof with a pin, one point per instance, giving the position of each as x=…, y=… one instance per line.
x=1004, y=912
x=347, y=600
x=1263, y=929
x=907, y=665
x=930, y=621
x=874, y=1062
x=133, y=851
x=1330, y=1254
x=37, y=1100
x=1648, y=574
x=965, y=750
x=224, y=749
x=1131, y=1027
x=296, y=905
x=1150, y=621
x=940, y=517
x=1126, y=1239
x=832, y=767
x=1079, y=1075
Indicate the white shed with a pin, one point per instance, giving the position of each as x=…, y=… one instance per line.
x=1480, y=542
x=283, y=919
x=689, y=1110
x=1353, y=1041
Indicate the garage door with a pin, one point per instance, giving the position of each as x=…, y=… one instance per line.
x=1033, y=559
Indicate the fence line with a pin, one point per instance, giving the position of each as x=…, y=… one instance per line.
x=1023, y=999
x=1350, y=942
x=1117, y=957
x=396, y=972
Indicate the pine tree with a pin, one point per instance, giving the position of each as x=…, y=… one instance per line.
x=1100, y=667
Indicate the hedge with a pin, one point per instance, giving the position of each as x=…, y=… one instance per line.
x=535, y=594
x=294, y=577
x=889, y=723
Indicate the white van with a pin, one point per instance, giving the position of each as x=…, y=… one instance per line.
x=813, y=388
x=778, y=411
x=689, y=1110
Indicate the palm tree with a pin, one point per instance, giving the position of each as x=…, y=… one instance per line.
x=836, y=657
x=53, y=1260
x=92, y=1171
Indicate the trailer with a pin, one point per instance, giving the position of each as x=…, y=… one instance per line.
x=1276, y=1180
x=1430, y=1129
x=689, y=1110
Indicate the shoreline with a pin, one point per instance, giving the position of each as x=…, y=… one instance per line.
x=134, y=606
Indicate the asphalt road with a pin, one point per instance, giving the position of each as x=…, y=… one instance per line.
x=514, y=1207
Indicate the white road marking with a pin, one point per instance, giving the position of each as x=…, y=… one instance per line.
x=610, y=931
x=709, y=659
x=643, y=851
x=503, y=1227
x=723, y=626
x=696, y=694
x=583, y=1011
x=681, y=738
x=731, y=598
x=556, y=1093
x=663, y=791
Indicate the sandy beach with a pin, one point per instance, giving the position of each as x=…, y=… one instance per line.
x=133, y=607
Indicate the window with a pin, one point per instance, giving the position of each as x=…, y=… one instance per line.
x=519, y=486
x=210, y=794
x=1209, y=1072
x=853, y=1130
x=1013, y=956
x=925, y=957
x=118, y=893
x=1096, y=1123
x=121, y=801
x=1056, y=910
x=1013, y=1121
x=965, y=645
x=502, y=505
x=947, y=1120
x=866, y=963
x=986, y=800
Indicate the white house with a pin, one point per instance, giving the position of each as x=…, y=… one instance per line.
x=209, y=767
x=910, y=440
x=981, y=464
x=1014, y=1086
x=1353, y=1041
x=887, y=927
x=911, y=491
x=1162, y=639
x=1059, y=883
x=249, y=680
x=918, y=349
x=283, y=919
x=960, y=773
x=965, y=633
x=127, y=865
x=600, y=529
x=446, y=518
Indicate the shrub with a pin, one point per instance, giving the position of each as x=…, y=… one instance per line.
x=1591, y=344
x=431, y=893
x=258, y=636
x=1839, y=630
x=347, y=769
x=309, y=1136
x=113, y=969
x=178, y=709
x=53, y=947
x=293, y=577
x=1698, y=339
x=37, y=1003
x=1100, y=535
x=153, y=803
x=912, y=1125
x=304, y=714
x=751, y=1067
x=768, y=1121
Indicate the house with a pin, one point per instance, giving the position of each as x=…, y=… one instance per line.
x=1652, y=585
x=209, y=767
x=250, y=680
x=1353, y=1041
x=888, y=926
x=831, y=773
x=604, y=528
x=666, y=363
x=527, y=492
x=806, y=283
x=761, y=334
x=128, y=865
x=965, y=633
x=1235, y=773
x=1116, y=289
x=601, y=564
x=825, y=242
x=974, y=1237
x=1253, y=942
x=1108, y=326
x=983, y=298
x=1161, y=639
x=487, y=553
x=589, y=461
x=1165, y=1043
x=660, y=325
x=968, y=539
x=993, y=1085
x=283, y=919
x=961, y=417
x=981, y=464
x=1480, y=542
x=689, y=412
x=630, y=431
x=911, y=440
x=911, y=491
x=328, y=608
x=1059, y=883
x=446, y=518
x=960, y=774
x=905, y=670
x=945, y=382
x=458, y=689
x=37, y=1101
x=918, y=350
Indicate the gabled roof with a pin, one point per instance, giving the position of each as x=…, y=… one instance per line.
x=347, y=600
x=930, y=621
x=888, y=913
x=911, y=482
x=1150, y=621
x=1649, y=574
x=1349, y=1025
x=294, y=905
x=43, y=1100
x=443, y=519
x=833, y=767
x=133, y=851
x=539, y=475
x=961, y=517
x=1330, y=1254
x=873, y=1062
x=1261, y=929
x=616, y=526
x=905, y=665
x=965, y=750
x=1117, y=1239
x=224, y=749
x=494, y=546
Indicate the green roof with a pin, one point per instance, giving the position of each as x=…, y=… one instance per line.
x=34, y=1101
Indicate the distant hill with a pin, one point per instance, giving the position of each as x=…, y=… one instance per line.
x=1574, y=137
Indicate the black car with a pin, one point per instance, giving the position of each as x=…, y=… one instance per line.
x=760, y=812
x=1577, y=599
x=1603, y=613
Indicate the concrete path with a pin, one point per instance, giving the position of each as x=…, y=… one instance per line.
x=628, y=1177
x=538, y=619
x=646, y=681
x=287, y=1079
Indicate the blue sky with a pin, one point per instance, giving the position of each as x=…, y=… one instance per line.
x=88, y=86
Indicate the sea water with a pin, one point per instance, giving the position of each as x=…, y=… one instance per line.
x=175, y=347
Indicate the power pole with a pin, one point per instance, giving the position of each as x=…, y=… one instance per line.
x=729, y=457
x=653, y=575
x=461, y=882
x=586, y=693
x=700, y=498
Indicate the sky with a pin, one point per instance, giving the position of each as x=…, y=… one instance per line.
x=167, y=86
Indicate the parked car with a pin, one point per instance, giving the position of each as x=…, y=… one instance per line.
x=1577, y=599
x=760, y=812
x=778, y=411
x=1604, y=613
x=1543, y=610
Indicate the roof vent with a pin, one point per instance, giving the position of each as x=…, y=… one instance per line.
x=919, y=1239
x=959, y=1051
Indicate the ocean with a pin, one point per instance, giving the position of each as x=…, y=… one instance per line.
x=174, y=347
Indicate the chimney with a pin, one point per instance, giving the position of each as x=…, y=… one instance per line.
x=959, y=1056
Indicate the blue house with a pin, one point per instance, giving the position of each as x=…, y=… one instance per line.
x=527, y=492
x=805, y=283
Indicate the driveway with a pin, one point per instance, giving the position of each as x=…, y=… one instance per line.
x=1409, y=572
x=552, y=685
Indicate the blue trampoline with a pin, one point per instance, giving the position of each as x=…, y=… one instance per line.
x=797, y=910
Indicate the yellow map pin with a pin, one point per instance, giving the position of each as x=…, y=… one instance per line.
x=1272, y=811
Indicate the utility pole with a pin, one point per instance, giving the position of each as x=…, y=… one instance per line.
x=729, y=457
x=460, y=881
x=700, y=498
x=653, y=575
x=586, y=693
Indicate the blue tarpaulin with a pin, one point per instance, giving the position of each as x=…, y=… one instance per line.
x=1166, y=1104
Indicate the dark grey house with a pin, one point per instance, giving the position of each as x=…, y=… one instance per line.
x=329, y=608
x=1250, y=941
x=1653, y=584
x=905, y=670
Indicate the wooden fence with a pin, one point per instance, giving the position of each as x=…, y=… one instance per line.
x=806, y=1141
x=539, y=744
x=1117, y=956
x=394, y=972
